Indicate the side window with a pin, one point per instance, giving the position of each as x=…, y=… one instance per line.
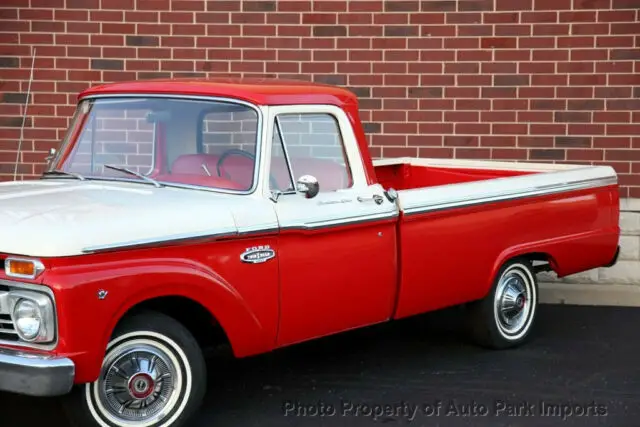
x=314, y=146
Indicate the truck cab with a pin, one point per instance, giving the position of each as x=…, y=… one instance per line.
x=181, y=214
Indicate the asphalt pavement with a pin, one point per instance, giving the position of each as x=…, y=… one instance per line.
x=582, y=368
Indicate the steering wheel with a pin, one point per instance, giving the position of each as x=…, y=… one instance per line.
x=238, y=152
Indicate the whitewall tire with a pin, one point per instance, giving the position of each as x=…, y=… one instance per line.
x=506, y=316
x=153, y=375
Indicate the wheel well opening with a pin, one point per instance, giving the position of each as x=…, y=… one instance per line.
x=196, y=318
x=541, y=262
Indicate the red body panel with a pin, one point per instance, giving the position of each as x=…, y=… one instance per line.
x=336, y=279
x=452, y=256
x=242, y=297
x=255, y=91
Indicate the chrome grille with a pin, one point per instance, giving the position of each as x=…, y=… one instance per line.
x=7, y=328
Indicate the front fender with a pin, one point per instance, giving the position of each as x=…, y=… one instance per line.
x=86, y=322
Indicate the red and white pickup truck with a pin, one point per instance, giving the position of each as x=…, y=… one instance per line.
x=181, y=214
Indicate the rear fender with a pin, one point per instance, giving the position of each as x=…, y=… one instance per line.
x=524, y=251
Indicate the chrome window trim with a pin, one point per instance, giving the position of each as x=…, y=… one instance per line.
x=285, y=150
x=35, y=288
x=513, y=195
x=259, y=132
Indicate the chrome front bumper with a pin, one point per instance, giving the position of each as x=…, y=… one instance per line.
x=34, y=374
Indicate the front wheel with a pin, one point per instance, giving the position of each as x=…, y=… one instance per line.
x=153, y=375
x=505, y=317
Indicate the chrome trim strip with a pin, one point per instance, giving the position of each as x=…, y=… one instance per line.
x=259, y=132
x=259, y=229
x=36, y=288
x=161, y=240
x=34, y=374
x=180, y=238
x=513, y=195
x=342, y=221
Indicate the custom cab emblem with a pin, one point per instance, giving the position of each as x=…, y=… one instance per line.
x=257, y=254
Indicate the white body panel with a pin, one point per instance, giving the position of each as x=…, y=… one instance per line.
x=65, y=217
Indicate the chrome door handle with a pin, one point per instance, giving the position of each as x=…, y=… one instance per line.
x=375, y=198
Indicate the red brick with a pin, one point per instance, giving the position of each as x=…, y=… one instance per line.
x=535, y=116
x=474, y=30
x=617, y=15
x=575, y=92
x=575, y=67
x=615, y=41
x=551, y=4
x=578, y=16
x=536, y=42
x=583, y=154
x=585, y=129
x=591, y=4
x=564, y=42
x=426, y=18
x=537, y=17
x=514, y=4
x=513, y=30
x=498, y=43
x=612, y=142
x=497, y=141
x=500, y=18
x=510, y=129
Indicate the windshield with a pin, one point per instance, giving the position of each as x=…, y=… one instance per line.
x=202, y=143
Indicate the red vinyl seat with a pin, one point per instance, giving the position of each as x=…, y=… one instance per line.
x=239, y=169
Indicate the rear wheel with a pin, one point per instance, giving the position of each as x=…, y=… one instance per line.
x=505, y=317
x=153, y=375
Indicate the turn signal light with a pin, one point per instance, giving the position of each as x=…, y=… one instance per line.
x=22, y=268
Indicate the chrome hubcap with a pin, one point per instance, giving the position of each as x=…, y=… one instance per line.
x=140, y=384
x=513, y=302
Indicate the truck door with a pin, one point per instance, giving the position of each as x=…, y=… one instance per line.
x=337, y=249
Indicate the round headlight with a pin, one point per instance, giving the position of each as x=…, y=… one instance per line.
x=28, y=319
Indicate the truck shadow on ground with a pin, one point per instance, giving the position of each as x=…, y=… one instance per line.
x=578, y=355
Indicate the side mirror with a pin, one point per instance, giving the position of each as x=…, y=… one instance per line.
x=308, y=186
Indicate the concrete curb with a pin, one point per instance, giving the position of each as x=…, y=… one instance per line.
x=589, y=294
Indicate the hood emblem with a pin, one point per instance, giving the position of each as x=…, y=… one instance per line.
x=257, y=254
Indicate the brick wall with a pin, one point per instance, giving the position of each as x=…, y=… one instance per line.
x=544, y=80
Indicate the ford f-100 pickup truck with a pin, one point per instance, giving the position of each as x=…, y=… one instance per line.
x=177, y=215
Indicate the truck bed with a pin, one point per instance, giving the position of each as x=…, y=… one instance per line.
x=409, y=173
x=462, y=219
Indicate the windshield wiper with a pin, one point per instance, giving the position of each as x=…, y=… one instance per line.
x=139, y=175
x=59, y=172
